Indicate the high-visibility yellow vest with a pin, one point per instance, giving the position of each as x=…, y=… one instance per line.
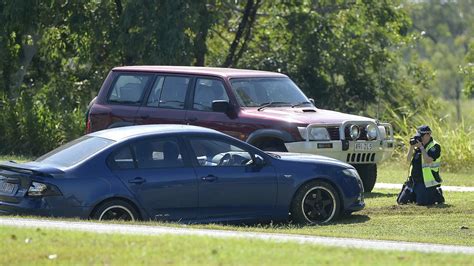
x=429, y=168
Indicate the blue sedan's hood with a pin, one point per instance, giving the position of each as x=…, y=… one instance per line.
x=310, y=158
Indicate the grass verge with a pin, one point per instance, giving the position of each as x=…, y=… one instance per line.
x=397, y=172
x=52, y=247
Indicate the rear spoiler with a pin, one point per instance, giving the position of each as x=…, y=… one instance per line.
x=29, y=169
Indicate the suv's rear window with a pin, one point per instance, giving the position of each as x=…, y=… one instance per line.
x=129, y=88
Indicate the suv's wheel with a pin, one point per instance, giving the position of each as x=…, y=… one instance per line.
x=368, y=174
x=272, y=145
x=115, y=210
x=315, y=203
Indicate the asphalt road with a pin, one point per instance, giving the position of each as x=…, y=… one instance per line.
x=302, y=239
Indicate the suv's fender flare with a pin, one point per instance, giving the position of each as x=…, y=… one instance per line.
x=270, y=133
x=121, y=124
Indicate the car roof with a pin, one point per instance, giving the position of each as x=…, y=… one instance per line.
x=213, y=71
x=123, y=133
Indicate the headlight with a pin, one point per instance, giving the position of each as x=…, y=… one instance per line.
x=383, y=132
x=315, y=133
x=38, y=189
x=351, y=172
x=371, y=131
x=354, y=132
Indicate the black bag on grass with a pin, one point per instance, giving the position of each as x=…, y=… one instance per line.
x=406, y=195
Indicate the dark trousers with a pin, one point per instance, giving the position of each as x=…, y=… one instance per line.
x=426, y=196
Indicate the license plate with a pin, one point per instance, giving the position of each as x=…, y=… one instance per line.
x=363, y=147
x=7, y=187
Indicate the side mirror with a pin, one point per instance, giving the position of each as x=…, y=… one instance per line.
x=221, y=106
x=311, y=100
x=258, y=161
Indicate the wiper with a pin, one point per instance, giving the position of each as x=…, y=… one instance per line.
x=264, y=105
x=299, y=104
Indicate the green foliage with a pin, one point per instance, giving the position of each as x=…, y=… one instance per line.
x=456, y=139
x=446, y=30
x=54, y=55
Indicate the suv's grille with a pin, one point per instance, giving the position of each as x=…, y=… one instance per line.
x=360, y=157
x=334, y=133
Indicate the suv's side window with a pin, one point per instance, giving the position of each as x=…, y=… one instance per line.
x=206, y=91
x=169, y=92
x=129, y=88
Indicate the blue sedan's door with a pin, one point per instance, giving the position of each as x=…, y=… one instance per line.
x=230, y=186
x=161, y=180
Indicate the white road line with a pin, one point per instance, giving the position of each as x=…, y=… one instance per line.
x=445, y=188
x=303, y=239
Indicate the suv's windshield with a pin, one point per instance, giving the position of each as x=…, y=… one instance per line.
x=75, y=151
x=258, y=92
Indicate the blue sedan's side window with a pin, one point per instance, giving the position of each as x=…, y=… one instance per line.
x=123, y=159
x=219, y=153
x=158, y=153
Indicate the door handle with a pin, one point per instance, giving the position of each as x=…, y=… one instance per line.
x=137, y=180
x=209, y=178
x=192, y=119
x=144, y=116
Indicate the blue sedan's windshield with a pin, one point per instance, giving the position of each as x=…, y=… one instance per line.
x=75, y=151
x=258, y=92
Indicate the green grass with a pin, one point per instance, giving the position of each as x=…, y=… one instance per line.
x=22, y=246
x=397, y=172
x=16, y=158
x=385, y=220
x=452, y=223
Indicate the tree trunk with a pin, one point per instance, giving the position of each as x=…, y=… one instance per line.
x=229, y=61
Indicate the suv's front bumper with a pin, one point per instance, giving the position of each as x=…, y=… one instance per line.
x=350, y=151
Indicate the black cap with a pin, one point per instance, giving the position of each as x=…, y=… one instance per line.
x=421, y=130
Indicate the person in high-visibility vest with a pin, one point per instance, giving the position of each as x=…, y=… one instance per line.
x=425, y=157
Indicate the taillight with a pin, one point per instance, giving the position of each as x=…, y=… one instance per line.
x=88, y=125
x=38, y=189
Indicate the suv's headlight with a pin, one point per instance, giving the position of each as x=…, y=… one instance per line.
x=354, y=132
x=371, y=131
x=315, y=133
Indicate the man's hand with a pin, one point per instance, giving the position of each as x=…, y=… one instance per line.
x=418, y=144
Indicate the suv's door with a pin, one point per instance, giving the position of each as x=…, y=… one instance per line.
x=166, y=101
x=159, y=175
x=231, y=186
x=124, y=98
x=205, y=91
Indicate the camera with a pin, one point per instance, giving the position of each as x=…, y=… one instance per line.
x=414, y=140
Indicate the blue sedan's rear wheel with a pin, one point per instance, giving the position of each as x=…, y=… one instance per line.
x=115, y=210
x=315, y=203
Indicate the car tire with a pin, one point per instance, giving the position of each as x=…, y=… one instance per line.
x=316, y=202
x=368, y=174
x=115, y=210
x=272, y=145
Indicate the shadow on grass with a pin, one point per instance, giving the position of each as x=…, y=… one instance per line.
x=353, y=219
x=370, y=195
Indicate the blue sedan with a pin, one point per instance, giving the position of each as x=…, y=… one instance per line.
x=178, y=173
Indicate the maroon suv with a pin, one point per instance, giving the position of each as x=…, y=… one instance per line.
x=265, y=109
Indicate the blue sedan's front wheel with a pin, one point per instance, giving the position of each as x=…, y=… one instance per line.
x=316, y=202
